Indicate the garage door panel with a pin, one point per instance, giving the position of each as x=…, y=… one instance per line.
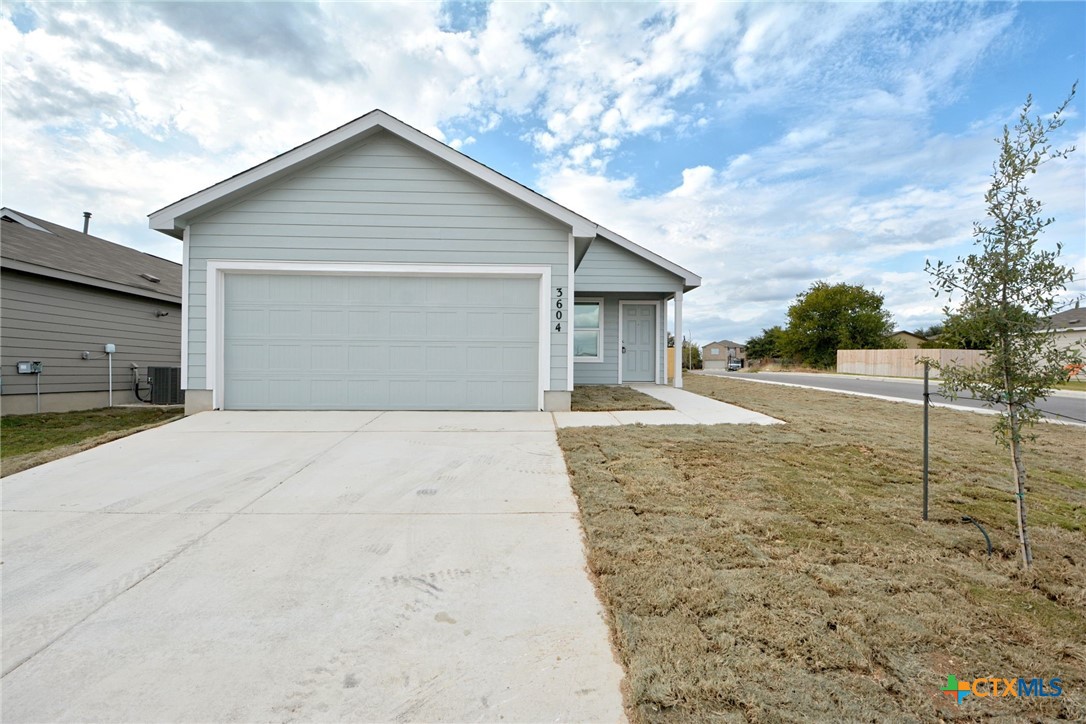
x=387, y=343
x=326, y=393
x=328, y=358
x=518, y=359
x=252, y=287
x=367, y=290
x=519, y=326
x=406, y=325
x=445, y=292
x=407, y=393
x=250, y=390
x=285, y=322
x=253, y=321
x=484, y=325
x=367, y=358
x=247, y=356
x=484, y=292
x=406, y=358
x=406, y=290
x=286, y=357
x=518, y=295
x=446, y=325
x=367, y=394
x=292, y=289
x=328, y=322
x=448, y=358
x=329, y=289
x=367, y=323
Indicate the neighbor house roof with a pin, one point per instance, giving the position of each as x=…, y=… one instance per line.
x=1069, y=319
x=36, y=246
x=909, y=334
x=174, y=218
x=723, y=343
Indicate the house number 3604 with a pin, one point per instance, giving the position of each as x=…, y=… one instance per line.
x=559, y=308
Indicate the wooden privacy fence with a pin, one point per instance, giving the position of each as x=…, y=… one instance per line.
x=900, y=362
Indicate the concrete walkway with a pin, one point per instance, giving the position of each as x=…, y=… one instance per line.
x=690, y=409
x=326, y=566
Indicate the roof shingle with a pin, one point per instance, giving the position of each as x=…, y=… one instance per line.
x=67, y=250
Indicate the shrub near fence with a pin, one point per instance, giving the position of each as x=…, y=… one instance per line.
x=900, y=362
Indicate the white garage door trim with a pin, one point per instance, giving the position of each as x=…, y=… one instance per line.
x=217, y=270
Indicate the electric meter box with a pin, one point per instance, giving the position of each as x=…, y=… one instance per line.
x=29, y=368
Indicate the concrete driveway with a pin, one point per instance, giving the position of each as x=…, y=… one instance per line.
x=304, y=567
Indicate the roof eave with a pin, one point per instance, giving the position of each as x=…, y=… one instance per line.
x=44, y=271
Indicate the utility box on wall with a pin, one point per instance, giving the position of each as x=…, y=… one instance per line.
x=165, y=385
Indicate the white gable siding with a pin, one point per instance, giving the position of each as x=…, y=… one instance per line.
x=607, y=267
x=381, y=201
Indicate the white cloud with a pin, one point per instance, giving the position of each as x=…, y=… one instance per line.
x=121, y=109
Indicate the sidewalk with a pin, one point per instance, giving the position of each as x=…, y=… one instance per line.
x=690, y=409
x=1072, y=394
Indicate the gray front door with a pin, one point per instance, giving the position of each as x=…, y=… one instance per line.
x=639, y=343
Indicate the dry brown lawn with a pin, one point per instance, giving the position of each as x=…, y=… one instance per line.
x=783, y=573
x=612, y=398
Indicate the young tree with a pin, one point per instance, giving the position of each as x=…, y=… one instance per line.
x=828, y=317
x=1009, y=288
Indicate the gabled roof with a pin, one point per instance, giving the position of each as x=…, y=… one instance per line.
x=173, y=219
x=910, y=334
x=1069, y=319
x=36, y=246
x=723, y=343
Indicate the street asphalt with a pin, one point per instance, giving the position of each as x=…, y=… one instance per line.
x=1063, y=406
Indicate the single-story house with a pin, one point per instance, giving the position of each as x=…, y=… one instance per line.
x=717, y=355
x=375, y=267
x=64, y=296
x=910, y=340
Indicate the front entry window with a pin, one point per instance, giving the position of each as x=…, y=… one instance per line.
x=587, y=324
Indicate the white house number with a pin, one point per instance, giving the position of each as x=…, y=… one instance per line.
x=559, y=308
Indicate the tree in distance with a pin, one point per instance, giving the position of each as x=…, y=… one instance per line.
x=767, y=345
x=1009, y=288
x=829, y=317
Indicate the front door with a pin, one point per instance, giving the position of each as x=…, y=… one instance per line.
x=638, y=342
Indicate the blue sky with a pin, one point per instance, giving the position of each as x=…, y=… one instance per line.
x=764, y=146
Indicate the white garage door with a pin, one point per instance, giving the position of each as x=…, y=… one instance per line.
x=338, y=342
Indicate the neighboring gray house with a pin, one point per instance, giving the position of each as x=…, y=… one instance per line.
x=63, y=293
x=377, y=268
x=717, y=355
x=1069, y=327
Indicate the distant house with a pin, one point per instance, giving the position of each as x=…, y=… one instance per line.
x=1070, y=329
x=65, y=295
x=717, y=355
x=910, y=340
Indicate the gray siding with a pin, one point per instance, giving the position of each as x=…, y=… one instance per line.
x=55, y=321
x=381, y=201
x=606, y=372
x=607, y=267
